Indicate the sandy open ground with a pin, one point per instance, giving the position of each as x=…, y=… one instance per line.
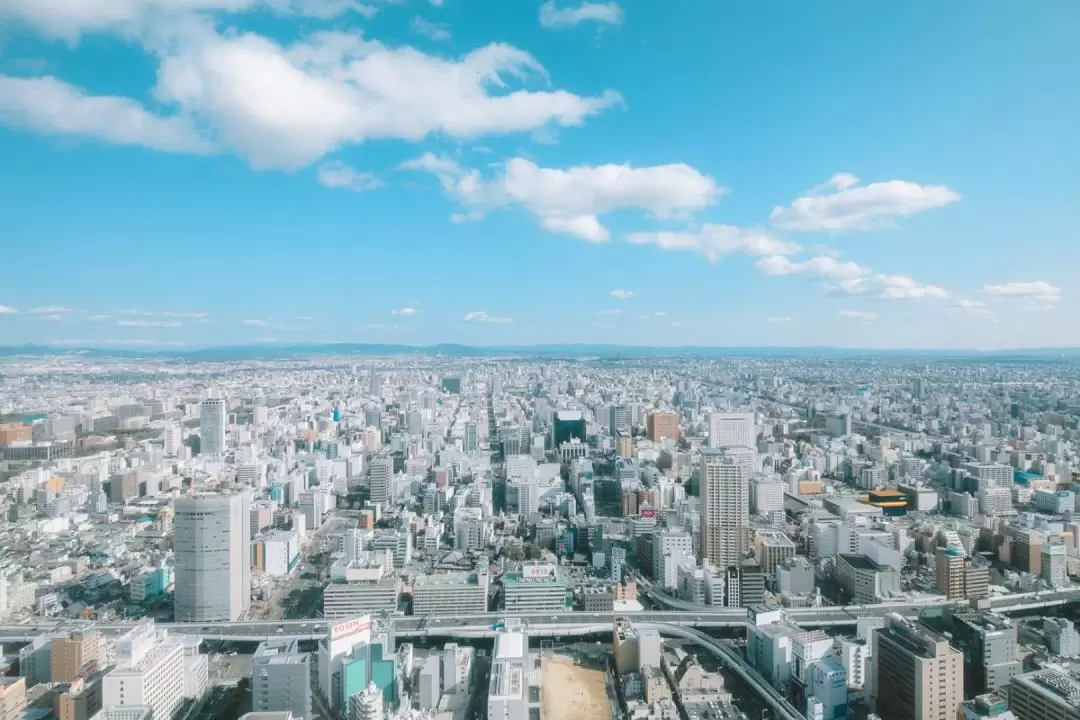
x=572, y=692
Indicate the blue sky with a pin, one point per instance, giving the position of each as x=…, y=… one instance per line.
x=204, y=172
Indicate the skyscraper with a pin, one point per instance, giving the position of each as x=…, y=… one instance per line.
x=212, y=426
x=732, y=429
x=618, y=419
x=212, y=539
x=725, y=508
x=917, y=674
x=380, y=479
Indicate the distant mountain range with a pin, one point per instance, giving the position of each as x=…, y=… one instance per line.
x=277, y=352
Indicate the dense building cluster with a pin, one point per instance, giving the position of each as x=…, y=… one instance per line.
x=357, y=491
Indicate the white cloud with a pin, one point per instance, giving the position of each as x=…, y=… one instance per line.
x=1038, y=290
x=52, y=107
x=340, y=175
x=5, y=310
x=255, y=323
x=571, y=201
x=612, y=311
x=285, y=107
x=857, y=315
x=479, y=316
x=439, y=32
x=97, y=318
x=841, y=204
x=821, y=266
x=70, y=18
x=551, y=16
x=404, y=311
x=716, y=241
x=149, y=323
x=304, y=318
x=51, y=310
x=52, y=318
x=780, y=320
x=901, y=287
x=621, y=294
x=888, y=287
x=974, y=308
x=191, y=315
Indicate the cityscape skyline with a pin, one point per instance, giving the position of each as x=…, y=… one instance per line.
x=694, y=174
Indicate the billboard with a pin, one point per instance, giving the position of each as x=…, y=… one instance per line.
x=350, y=628
x=647, y=512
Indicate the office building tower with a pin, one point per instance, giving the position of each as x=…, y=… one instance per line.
x=74, y=656
x=957, y=577
x=1061, y=637
x=508, y=689
x=660, y=425
x=732, y=430
x=725, y=508
x=989, y=645
x=149, y=671
x=12, y=697
x=1053, y=561
x=281, y=678
x=367, y=705
x=618, y=419
x=173, y=440
x=536, y=588
x=471, y=442
x=81, y=700
x=430, y=683
x=917, y=674
x=212, y=539
x=380, y=479
x=1049, y=694
x=568, y=426
x=212, y=426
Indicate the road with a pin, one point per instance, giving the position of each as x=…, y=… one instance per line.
x=480, y=625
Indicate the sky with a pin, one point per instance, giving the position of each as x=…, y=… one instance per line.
x=190, y=173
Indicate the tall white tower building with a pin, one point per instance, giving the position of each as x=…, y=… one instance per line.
x=212, y=426
x=725, y=508
x=212, y=542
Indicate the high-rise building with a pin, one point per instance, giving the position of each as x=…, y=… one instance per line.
x=12, y=697
x=568, y=426
x=618, y=419
x=380, y=479
x=989, y=645
x=660, y=425
x=1053, y=561
x=732, y=430
x=725, y=508
x=367, y=705
x=212, y=426
x=173, y=439
x=508, y=691
x=149, y=671
x=957, y=577
x=212, y=542
x=75, y=655
x=1049, y=694
x=81, y=700
x=281, y=678
x=917, y=674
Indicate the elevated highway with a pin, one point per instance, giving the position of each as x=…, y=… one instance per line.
x=684, y=615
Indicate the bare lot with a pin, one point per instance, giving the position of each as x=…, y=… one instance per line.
x=572, y=692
